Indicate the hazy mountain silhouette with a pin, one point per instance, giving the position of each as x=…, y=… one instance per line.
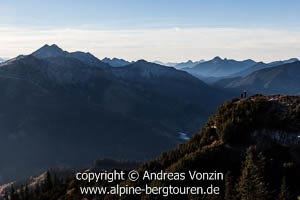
x=282, y=79
x=116, y=62
x=281, y=62
x=188, y=64
x=169, y=64
x=180, y=65
x=262, y=65
x=255, y=67
x=218, y=67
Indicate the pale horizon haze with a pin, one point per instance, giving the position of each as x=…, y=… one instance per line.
x=154, y=30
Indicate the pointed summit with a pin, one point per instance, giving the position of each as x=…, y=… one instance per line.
x=216, y=59
x=49, y=51
x=142, y=61
x=54, y=51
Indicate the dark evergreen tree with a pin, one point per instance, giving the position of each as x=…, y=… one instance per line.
x=22, y=192
x=284, y=193
x=6, y=196
x=48, y=184
x=13, y=194
x=26, y=193
x=251, y=184
x=37, y=190
x=229, y=187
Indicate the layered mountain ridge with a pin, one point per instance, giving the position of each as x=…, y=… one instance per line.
x=218, y=67
x=54, y=102
x=282, y=79
x=221, y=69
x=116, y=62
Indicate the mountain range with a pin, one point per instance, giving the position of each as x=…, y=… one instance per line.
x=261, y=65
x=54, y=101
x=188, y=64
x=180, y=65
x=218, y=68
x=282, y=79
x=116, y=62
x=67, y=109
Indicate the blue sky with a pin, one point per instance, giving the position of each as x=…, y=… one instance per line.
x=110, y=21
x=152, y=13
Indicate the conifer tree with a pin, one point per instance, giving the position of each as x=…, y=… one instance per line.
x=5, y=197
x=229, y=188
x=13, y=194
x=22, y=192
x=26, y=193
x=37, y=190
x=284, y=193
x=251, y=184
x=48, y=182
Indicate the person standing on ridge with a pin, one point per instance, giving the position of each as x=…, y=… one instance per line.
x=245, y=94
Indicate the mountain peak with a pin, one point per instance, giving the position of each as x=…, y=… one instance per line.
x=53, y=47
x=142, y=61
x=144, y=65
x=47, y=51
x=217, y=58
x=249, y=60
x=292, y=60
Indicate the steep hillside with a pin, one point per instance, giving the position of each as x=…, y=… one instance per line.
x=254, y=141
x=177, y=86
